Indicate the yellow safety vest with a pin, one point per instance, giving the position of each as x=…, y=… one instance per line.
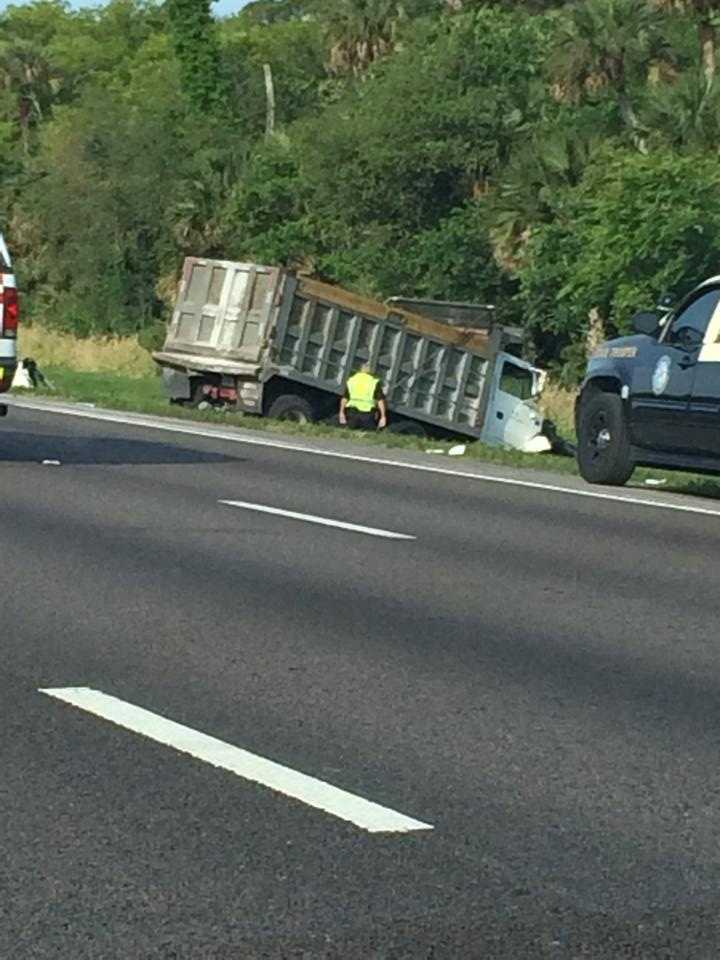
x=361, y=391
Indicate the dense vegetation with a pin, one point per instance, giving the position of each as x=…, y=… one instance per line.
x=559, y=159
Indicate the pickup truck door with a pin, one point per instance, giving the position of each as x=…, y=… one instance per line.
x=663, y=377
x=704, y=413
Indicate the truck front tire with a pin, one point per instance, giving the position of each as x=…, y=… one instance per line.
x=603, y=450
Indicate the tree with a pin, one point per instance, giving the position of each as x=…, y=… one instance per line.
x=707, y=13
x=685, y=114
x=30, y=81
x=295, y=51
x=267, y=215
x=487, y=154
x=274, y=11
x=104, y=178
x=548, y=158
x=431, y=129
x=193, y=31
x=606, y=47
x=634, y=227
x=361, y=32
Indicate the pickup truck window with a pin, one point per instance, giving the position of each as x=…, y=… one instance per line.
x=696, y=315
x=517, y=381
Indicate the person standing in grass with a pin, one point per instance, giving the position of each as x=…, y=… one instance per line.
x=363, y=406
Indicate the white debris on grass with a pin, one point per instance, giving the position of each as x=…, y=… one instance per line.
x=21, y=380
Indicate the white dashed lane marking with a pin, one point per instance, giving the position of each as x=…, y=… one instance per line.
x=315, y=793
x=322, y=521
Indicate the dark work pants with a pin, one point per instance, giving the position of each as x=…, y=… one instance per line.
x=357, y=420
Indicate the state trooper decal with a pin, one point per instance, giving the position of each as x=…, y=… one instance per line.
x=661, y=375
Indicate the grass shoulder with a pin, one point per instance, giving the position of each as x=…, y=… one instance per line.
x=143, y=394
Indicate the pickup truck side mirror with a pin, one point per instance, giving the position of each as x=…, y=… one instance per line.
x=689, y=338
x=646, y=322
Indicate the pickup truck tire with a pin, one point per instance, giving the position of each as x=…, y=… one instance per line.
x=291, y=407
x=603, y=450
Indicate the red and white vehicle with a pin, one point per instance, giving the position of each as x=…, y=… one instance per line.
x=9, y=317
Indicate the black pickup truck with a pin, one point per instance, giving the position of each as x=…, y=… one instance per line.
x=653, y=398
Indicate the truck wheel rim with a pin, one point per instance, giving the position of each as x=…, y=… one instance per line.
x=600, y=436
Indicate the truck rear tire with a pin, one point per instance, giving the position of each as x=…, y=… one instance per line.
x=292, y=408
x=197, y=393
x=407, y=428
x=603, y=450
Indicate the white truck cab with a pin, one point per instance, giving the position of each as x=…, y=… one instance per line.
x=513, y=418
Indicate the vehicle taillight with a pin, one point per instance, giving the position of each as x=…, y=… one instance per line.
x=11, y=311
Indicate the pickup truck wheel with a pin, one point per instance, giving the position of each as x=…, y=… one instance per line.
x=292, y=408
x=603, y=450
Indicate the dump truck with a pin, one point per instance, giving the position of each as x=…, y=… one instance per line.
x=265, y=340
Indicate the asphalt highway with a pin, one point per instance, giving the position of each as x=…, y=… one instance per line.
x=530, y=676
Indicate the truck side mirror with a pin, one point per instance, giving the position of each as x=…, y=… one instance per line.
x=646, y=322
x=539, y=381
x=689, y=338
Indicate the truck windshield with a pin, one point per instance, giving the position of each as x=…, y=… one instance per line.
x=517, y=381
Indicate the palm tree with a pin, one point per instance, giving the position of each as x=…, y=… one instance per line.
x=28, y=80
x=608, y=46
x=539, y=169
x=708, y=15
x=361, y=32
x=687, y=112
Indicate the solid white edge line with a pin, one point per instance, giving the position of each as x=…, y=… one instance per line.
x=144, y=423
x=315, y=793
x=323, y=521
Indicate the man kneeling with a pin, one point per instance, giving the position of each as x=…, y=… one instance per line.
x=363, y=407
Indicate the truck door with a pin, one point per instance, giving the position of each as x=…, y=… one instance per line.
x=704, y=413
x=512, y=419
x=663, y=377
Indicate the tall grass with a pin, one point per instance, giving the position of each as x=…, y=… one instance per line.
x=558, y=404
x=119, y=355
